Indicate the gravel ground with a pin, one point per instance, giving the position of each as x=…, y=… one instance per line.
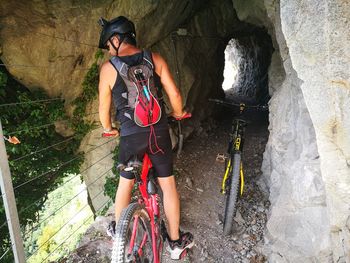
x=199, y=178
x=203, y=205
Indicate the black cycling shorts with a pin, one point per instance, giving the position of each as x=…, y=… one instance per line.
x=138, y=144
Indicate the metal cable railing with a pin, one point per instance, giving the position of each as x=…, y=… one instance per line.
x=36, y=66
x=3, y=224
x=32, y=128
x=71, y=234
x=4, y=254
x=44, y=149
x=54, y=212
x=49, y=147
x=30, y=102
x=65, y=224
x=65, y=39
x=59, y=209
x=59, y=167
x=84, y=207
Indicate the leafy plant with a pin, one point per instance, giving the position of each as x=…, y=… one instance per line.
x=111, y=183
x=34, y=172
x=43, y=158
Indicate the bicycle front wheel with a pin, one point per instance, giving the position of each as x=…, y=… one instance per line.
x=232, y=193
x=133, y=241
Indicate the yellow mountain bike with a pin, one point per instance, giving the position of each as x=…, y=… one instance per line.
x=233, y=181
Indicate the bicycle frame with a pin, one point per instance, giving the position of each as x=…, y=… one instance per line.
x=152, y=206
x=236, y=146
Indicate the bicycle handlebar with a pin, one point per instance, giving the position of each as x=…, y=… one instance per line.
x=110, y=134
x=170, y=117
x=186, y=116
x=231, y=104
x=180, y=135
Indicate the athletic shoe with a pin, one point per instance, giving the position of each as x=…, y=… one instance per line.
x=176, y=248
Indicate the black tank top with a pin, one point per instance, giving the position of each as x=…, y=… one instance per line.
x=128, y=126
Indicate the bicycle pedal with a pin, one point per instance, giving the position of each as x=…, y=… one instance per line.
x=220, y=158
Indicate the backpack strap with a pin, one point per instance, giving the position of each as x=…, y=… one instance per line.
x=120, y=66
x=147, y=57
x=122, y=69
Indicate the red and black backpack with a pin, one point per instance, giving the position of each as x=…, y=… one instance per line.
x=143, y=97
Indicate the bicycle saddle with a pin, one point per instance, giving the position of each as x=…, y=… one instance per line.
x=132, y=164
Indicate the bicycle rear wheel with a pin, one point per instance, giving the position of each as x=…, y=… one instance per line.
x=232, y=194
x=133, y=241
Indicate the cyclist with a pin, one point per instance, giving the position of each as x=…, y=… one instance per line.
x=119, y=38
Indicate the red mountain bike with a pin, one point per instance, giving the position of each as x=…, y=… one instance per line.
x=141, y=232
x=139, y=236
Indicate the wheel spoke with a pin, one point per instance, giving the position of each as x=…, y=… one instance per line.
x=133, y=234
x=134, y=243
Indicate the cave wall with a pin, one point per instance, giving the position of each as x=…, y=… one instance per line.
x=298, y=225
x=306, y=162
x=317, y=34
x=307, y=158
x=51, y=45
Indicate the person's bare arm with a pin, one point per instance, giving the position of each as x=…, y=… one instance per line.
x=169, y=85
x=107, y=78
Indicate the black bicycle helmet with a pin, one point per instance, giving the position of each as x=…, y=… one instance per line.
x=117, y=26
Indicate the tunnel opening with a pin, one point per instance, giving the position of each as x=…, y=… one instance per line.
x=245, y=69
x=247, y=59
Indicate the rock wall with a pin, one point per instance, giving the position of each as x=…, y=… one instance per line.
x=318, y=36
x=302, y=225
x=50, y=45
x=306, y=163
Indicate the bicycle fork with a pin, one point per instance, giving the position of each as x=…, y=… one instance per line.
x=154, y=212
x=227, y=172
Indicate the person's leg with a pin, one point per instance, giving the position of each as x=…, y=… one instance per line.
x=163, y=164
x=171, y=205
x=123, y=196
x=178, y=241
x=129, y=147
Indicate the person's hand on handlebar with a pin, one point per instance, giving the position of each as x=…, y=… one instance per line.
x=110, y=133
x=183, y=115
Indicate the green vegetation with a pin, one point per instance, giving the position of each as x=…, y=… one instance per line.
x=111, y=184
x=89, y=93
x=40, y=163
x=67, y=222
x=34, y=172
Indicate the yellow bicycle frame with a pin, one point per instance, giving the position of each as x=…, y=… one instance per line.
x=229, y=168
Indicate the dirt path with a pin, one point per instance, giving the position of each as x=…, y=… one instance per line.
x=203, y=204
x=199, y=178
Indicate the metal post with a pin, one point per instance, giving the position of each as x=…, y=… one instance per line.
x=10, y=203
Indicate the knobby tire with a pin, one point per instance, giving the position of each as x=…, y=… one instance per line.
x=124, y=232
x=232, y=194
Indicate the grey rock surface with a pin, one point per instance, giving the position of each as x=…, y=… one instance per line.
x=307, y=159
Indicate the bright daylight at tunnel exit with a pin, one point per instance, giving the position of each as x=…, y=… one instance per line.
x=199, y=131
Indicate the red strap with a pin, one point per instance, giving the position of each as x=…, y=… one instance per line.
x=155, y=142
x=107, y=134
x=186, y=116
